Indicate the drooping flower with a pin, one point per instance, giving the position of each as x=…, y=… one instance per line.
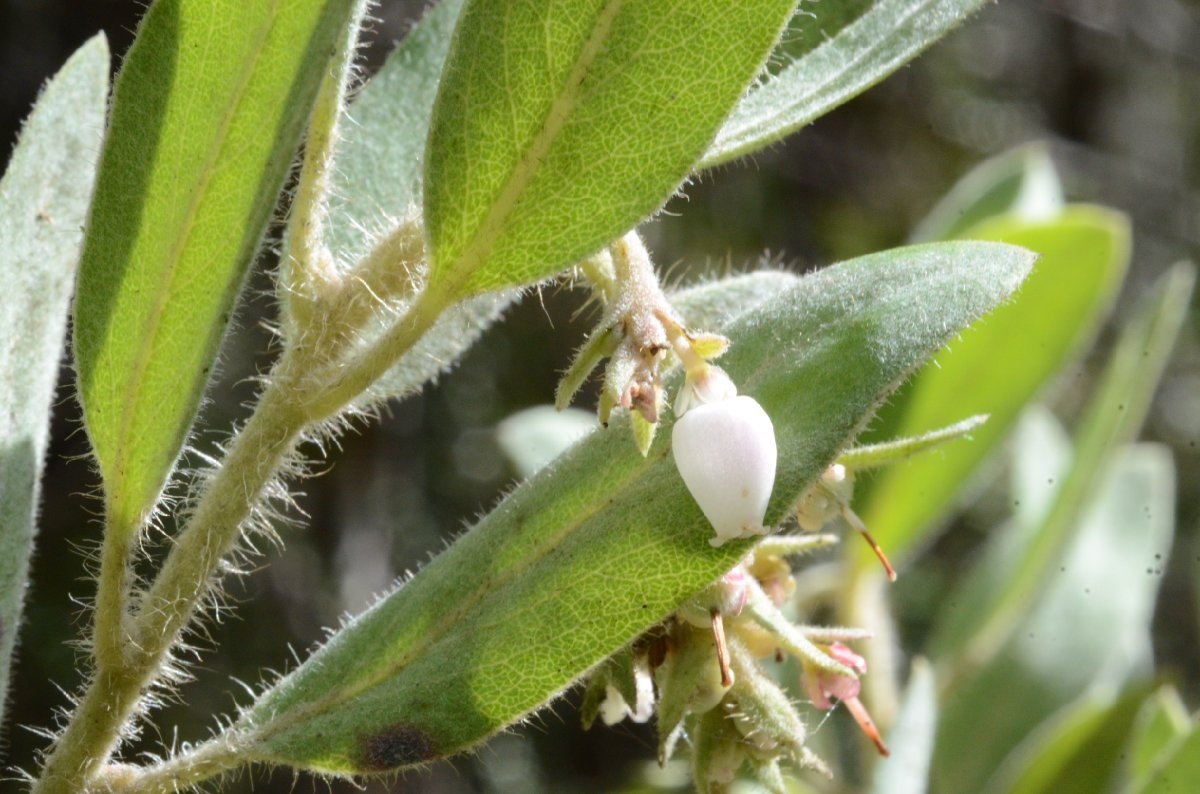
x=724, y=447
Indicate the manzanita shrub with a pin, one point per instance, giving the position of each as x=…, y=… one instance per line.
x=504, y=144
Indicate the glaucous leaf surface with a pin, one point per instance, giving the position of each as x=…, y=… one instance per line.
x=887, y=35
x=43, y=204
x=602, y=544
x=382, y=147
x=906, y=771
x=376, y=181
x=560, y=126
x=1086, y=632
x=1041, y=456
x=1113, y=417
x=532, y=437
x=452, y=334
x=207, y=112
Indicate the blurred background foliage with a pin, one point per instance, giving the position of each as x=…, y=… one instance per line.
x=1108, y=87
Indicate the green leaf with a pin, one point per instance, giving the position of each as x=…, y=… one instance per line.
x=1088, y=630
x=1079, y=749
x=376, y=182
x=869, y=456
x=1180, y=771
x=715, y=304
x=1164, y=725
x=599, y=546
x=44, y=198
x=1022, y=183
x=207, y=112
x=559, y=126
x=888, y=35
x=1041, y=455
x=906, y=771
x=1113, y=417
x=995, y=368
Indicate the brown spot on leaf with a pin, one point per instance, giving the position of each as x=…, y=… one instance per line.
x=396, y=746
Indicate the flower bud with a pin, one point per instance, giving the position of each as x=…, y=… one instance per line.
x=725, y=452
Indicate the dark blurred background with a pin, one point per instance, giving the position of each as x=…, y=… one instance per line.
x=1110, y=85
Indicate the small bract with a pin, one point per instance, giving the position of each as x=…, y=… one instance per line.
x=725, y=451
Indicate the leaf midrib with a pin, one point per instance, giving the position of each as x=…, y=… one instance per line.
x=526, y=167
x=154, y=321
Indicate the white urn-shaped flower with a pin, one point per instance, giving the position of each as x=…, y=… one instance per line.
x=724, y=446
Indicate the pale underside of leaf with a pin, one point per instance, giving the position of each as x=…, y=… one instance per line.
x=884, y=38
x=44, y=198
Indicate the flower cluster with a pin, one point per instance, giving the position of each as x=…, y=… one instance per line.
x=703, y=672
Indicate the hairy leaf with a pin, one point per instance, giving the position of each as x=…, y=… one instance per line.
x=885, y=37
x=207, y=112
x=603, y=543
x=1113, y=417
x=376, y=184
x=883, y=453
x=378, y=174
x=43, y=204
x=1086, y=631
x=559, y=126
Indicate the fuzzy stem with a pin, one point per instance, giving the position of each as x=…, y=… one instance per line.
x=637, y=278
x=224, y=753
x=387, y=273
x=110, y=636
x=635, y=274
x=133, y=645
x=187, y=576
x=357, y=375
x=214, y=529
x=193, y=565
